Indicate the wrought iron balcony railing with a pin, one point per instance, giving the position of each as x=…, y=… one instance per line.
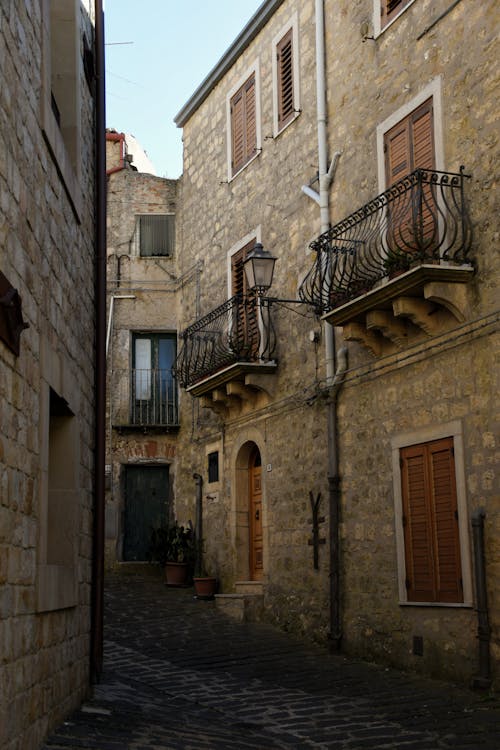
x=238, y=331
x=420, y=219
x=144, y=398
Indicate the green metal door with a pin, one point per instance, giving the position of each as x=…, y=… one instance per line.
x=146, y=507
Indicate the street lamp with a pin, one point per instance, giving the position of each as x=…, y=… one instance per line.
x=259, y=269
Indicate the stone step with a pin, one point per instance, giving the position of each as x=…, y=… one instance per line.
x=241, y=607
x=249, y=587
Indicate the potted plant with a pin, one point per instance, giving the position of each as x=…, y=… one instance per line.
x=173, y=547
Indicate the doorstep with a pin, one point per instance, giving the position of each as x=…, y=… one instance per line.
x=246, y=605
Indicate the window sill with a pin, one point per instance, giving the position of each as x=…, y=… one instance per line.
x=277, y=132
x=242, y=169
x=446, y=605
x=379, y=31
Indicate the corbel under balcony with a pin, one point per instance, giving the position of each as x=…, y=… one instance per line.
x=427, y=299
x=237, y=389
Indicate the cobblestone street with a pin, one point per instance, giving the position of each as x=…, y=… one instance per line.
x=178, y=674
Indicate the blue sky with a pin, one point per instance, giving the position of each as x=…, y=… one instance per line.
x=175, y=44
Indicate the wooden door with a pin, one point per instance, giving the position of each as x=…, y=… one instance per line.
x=255, y=516
x=146, y=507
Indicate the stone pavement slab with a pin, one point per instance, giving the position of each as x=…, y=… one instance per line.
x=179, y=674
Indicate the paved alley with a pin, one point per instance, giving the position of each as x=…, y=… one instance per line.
x=178, y=674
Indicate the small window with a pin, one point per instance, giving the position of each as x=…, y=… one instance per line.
x=156, y=235
x=284, y=58
x=433, y=571
x=243, y=112
x=213, y=467
x=389, y=9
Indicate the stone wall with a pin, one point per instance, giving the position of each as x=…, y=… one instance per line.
x=47, y=254
x=150, y=286
x=438, y=381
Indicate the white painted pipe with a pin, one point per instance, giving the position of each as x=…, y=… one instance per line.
x=311, y=193
x=110, y=315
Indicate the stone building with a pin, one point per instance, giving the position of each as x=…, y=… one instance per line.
x=348, y=444
x=143, y=418
x=48, y=464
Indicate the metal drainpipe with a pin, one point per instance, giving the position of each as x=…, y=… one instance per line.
x=199, y=524
x=97, y=601
x=333, y=380
x=483, y=680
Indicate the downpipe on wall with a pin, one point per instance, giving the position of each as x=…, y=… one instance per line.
x=483, y=680
x=198, y=525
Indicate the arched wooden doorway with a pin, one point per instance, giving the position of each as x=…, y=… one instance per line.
x=255, y=540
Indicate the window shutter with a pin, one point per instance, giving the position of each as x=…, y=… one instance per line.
x=442, y=471
x=251, y=119
x=397, y=152
x=431, y=534
x=237, y=131
x=421, y=127
x=245, y=329
x=243, y=125
x=418, y=527
x=284, y=52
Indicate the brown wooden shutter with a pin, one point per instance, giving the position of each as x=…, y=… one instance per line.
x=417, y=526
x=251, y=119
x=245, y=329
x=243, y=125
x=448, y=564
x=284, y=54
x=430, y=521
x=409, y=145
x=237, y=132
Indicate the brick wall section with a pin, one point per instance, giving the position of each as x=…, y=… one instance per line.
x=48, y=257
x=431, y=384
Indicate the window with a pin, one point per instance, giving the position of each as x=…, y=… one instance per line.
x=59, y=494
x=213, y=467
x=60, y=101
x=154, y=389
x=243, y=119
x=156, y=235
x=245, y=326
x=410, y=144
x=389, y=9
x=430, y=522
x=285, y=77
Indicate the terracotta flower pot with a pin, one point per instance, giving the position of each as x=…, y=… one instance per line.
x=205, y=587
x=176, y=573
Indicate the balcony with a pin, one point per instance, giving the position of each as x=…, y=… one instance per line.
x=227, y=356
x=144, y=400
x=398, y=265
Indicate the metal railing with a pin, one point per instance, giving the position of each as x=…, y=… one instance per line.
x=143, y=398
x=239, y=330
x=420, y=219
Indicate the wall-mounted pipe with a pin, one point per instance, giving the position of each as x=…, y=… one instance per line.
x=311, y=193
x=483, y=680
x=198, y=568
x=110, y=315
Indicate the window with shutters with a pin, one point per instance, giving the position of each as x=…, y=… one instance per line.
x=409, y=145
x=430, y=523
x=285, y=77
x=389, y=9
x=243, y=118
x=245, y=324
x=156, y=234
x=431, y=513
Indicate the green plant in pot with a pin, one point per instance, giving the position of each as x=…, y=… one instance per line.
x=173, y=547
